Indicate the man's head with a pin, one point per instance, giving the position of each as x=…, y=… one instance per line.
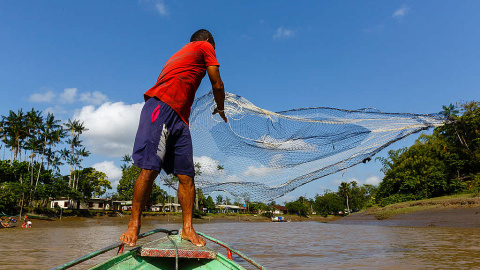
x=203, y=35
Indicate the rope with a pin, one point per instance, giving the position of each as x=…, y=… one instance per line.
x=110, y=247
x=243, y=256
x=176, y=250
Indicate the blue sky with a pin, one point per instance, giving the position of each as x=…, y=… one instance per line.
x=95, y=59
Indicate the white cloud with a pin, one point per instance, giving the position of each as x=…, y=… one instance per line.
x=284, y=33
x=401, y=12
x=157, y=5
x=111, y=127
x=253, y=171
x=208, y=166
x=266, y=141
x=95, y=98
x=113, y=172
x=68, y=95
x=42, y=97
x=373, y=180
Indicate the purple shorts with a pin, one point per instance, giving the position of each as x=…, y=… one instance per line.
x=163, y=140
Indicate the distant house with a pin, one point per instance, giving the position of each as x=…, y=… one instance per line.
x=91, y=204
x=157, y=207
x=224, y=208
x=60, y=202
x=122, y=205
x=172, y=207
x=279, y=210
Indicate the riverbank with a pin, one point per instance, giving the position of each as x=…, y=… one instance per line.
x=167, y=218
x=457, y=211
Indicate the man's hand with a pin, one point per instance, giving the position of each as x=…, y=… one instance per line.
x=221, y=113
x=218, y=90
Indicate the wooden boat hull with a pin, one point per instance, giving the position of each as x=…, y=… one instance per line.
x=33, y=216
x=132, y=260
x=170, y=252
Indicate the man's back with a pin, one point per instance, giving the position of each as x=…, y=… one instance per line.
x=181, y=76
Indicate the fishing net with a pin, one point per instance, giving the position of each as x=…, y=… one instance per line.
x=261, y=155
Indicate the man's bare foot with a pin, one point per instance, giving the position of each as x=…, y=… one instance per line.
x=131, y=235
x=193, y=237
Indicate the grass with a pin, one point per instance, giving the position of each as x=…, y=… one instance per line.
x=457, y=200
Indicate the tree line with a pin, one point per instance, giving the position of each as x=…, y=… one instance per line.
x=444, y=163
x=34, y=148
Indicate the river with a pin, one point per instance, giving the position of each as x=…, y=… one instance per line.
x=293, y=245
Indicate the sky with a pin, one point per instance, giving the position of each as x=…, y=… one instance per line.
x=93, y=60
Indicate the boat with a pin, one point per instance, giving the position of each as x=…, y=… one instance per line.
x=169, y=252
x=33, y=216
x=6, y=224
x=280, y=219
x=7, y=221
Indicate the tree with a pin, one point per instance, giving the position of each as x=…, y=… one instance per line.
x=328, y=203
x=345, y=190
x=298, y=207
x=209, y=204
x=92, y=183
x=443, y=163
x=219, y=199
x=127, y=183
x=76, y=128
x=449, y=111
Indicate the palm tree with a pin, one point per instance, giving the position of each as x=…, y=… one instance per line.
x=14, y=132
x=220, y=168
x=171, y=182
x=345, y=190
x=449, y=111
x=81, y=153
x=3, y=137
x=198, y=168
x=126, y=159
x=76, y=128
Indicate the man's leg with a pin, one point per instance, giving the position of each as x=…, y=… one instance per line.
x=141, y=193
x=186, y=196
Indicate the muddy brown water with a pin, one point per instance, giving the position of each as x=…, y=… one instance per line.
x=293, y=245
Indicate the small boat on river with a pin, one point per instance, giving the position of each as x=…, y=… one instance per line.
x=280, y=219
x=33, y=216
x=170, y=252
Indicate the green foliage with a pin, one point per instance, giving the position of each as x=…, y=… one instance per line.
x=257, y=207
x=31, y=176
x=127, y=183
x=10, y=196
x=158, y=195
x=219, y=199
x=209, y=204
x=268, y=214
x=299, y=207
x=397, y=198
x=92, y=183
x=443, y=163
x=328, y=203
x=198, y=214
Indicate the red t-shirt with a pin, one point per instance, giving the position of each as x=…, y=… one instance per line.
x=181, y=77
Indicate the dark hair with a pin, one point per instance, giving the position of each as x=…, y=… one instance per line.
x=203, y=35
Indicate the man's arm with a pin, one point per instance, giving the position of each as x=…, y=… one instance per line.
x=218, y=90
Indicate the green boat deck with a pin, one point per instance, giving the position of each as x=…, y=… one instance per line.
x=161, y=253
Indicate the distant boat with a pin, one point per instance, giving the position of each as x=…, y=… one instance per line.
x=280, y=219
x=33, y=216
x=6, y=225
x=168, y=252
x=7, y=221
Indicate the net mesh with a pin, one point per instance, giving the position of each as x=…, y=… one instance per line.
x=261, y=155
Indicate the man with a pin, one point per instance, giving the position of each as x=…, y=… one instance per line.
x=163, y=138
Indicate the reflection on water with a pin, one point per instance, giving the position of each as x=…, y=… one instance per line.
x=294, y=245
